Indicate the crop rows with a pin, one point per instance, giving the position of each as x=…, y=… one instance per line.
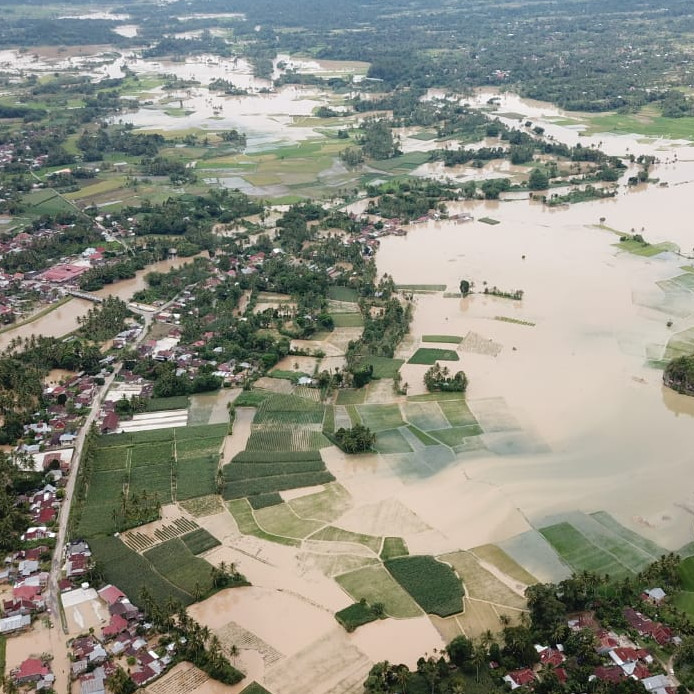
x=276, y=456
x=199, y=541
x=288, y=439
x=432, y=584
x=131, y=572
x=173, y=560
x=276, y=483
x=137, y=541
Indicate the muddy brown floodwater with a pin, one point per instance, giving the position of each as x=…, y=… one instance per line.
x=63, y=319
x=597, y=431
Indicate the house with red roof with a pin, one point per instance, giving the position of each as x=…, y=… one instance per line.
x=551, y=656
x=520, y=678
x=110, y=594
x=609, y=673
x=31, y=670
x=115, y=627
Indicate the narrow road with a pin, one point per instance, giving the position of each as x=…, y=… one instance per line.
x=53, y=593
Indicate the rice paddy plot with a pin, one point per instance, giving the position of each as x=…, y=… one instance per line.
x=680, y=344
x=514, y=443
x=628, y=548
x=383, y=367
x=425, y=415
x=285, y=439
x=330, y=665
x=380, y=417
x=242, y=512
x=480, y=617
x=491, y=554
x=281, y=520
x=288, y=409
x=435, y=397
x=430, y=355
x=343, y=294
x=455, y=436
x=391, y=441
x=410, y=467
x=493, y=414
x=393, y=547
x=375, y=584
x=532, y=551
x=457, y=412
x=202, y=506
x=333, y=564
x=332, y=533
x=232, y=634
x=648, y=546
x=421, y=287
x=417, y=438
x=581, y=554
x=482, y=584
x=152, y=454
x=684, y=600
x=341, y=419
x=350, y=396
x=347, y=319
x=326, y=505
x=110, y=459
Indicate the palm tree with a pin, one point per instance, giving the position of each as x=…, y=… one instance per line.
x=402, y=675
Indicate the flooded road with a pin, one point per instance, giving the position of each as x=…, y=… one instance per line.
x=63, y=319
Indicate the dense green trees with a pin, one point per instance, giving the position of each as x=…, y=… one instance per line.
x=439, y=378
x=539, y=180
x=105, y=320
x=679, y=374
x=358, y=439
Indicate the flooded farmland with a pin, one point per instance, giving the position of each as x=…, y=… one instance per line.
x=573, y=369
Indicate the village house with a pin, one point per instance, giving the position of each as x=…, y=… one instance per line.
x=520, y=678
x=33, y=670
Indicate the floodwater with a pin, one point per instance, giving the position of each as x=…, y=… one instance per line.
x=598, y=431
x=63, y=320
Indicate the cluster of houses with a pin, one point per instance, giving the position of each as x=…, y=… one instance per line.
x=58, y=428
x=187, y=360
x=94, y=658
x=623, y=659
